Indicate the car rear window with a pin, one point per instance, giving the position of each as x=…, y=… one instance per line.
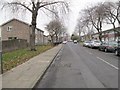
x=97, y=41
x=112, y=43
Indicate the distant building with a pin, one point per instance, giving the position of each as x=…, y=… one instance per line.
x=107, y=35
x=0, y=40
x=39, y=37
x=16, y=29
x=0, y=34
x=45, y=39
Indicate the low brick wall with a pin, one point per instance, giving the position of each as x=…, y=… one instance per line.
x=10, y=45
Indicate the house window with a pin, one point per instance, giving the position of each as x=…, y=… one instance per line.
x=9, y=38
x=9, y=28
x=12, y=38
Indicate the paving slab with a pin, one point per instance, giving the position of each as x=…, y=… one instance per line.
x=27, y=74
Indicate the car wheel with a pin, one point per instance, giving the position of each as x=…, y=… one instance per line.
x=99, y=49
x=106, y=50
x=116, y=52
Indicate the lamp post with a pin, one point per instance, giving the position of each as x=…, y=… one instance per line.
x=1, y=66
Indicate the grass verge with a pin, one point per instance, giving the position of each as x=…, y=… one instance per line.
x=17, y=57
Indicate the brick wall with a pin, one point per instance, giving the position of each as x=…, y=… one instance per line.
x=10, y=45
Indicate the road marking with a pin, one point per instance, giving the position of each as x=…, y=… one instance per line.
x=108, y=63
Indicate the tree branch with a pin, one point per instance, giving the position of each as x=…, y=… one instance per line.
x=50, y=3
x=16, y=3
x=50, y=10
x=33, y=4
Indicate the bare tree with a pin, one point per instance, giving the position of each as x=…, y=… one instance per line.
x=34, y=6
x=112, y=13
x=84, y=26
x=55, y=29
x=117, y=7
x=96, y=16
x=110, y=19
x=79, y=26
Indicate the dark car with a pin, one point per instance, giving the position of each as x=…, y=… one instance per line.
x=117, y=49
x=108, y=46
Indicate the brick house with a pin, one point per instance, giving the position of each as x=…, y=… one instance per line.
x=17, y=29
x=107, y=35
x=46, y=41
x=0, y=33
x=0, y=41
x=39, y=37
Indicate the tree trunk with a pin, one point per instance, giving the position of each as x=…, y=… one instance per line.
x=51, y=40
x=118, y=20
x=56, y=38
x=79, y=35
x=114, y=32
x=100, y=31
x=32, y=40
x=100, y=36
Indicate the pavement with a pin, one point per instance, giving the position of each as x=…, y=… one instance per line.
x=28, y=74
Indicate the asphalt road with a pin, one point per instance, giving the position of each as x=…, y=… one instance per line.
x=80, y=67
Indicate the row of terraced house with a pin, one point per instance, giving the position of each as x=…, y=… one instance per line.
x=107, y=35
x=18, y=32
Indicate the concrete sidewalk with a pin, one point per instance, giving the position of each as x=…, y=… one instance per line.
x=27, y=74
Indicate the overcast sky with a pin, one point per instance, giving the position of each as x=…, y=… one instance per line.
x=75, y=6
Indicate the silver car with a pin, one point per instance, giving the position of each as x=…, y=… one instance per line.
x=95, y=44
x=86, y=43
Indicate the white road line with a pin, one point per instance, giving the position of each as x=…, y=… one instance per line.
x=108, y=63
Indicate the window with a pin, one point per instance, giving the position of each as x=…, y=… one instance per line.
x=11, y=38
x=9, y=28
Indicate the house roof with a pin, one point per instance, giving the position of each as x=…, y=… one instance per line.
x=116, y=29
x=19, y=21
x=45, y=35
x=14, y=20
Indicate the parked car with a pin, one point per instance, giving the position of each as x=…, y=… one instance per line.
x=64, y=42
x=108, y=46
x=95, y=44
x=89, y=45
x=86, y=43
x=57, y=43
x=75, y=41
x=117, y=49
